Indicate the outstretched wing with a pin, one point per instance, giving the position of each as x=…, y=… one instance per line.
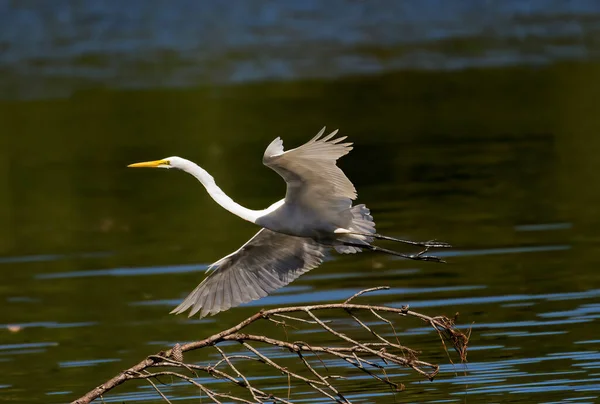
x=268, y=261
x=310, y=171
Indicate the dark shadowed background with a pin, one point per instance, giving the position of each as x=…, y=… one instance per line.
x=474, y=122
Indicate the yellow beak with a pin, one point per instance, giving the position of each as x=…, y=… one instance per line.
x=152, y=164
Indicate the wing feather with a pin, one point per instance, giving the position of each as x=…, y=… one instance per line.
x=311, y=173
x=268, y=261
x=236, y=292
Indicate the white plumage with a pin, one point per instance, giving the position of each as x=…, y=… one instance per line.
x=315, y=215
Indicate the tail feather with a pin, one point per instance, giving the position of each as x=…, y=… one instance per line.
x=362, y=222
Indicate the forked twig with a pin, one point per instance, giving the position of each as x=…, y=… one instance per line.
x=226, y=358
x=156, y=388
x=362, y=292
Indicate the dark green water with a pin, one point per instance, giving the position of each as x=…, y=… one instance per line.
x=502, y=163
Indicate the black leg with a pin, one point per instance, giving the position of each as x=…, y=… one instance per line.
x=426, y=244
x=416, y=257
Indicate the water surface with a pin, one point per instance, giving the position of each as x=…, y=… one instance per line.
x=497, y=157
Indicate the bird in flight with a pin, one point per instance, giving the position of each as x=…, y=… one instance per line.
x=315, y=216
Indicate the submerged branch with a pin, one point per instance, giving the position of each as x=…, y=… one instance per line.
x=371, y=356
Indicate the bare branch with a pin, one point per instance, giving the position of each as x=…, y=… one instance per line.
x=211, y=394
x=296, y=319
x=372, y=357
x=238, y=373
x=362, y=292
x=322, y=378
x=157, y=389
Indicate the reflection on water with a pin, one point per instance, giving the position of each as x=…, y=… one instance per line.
x=499, y=161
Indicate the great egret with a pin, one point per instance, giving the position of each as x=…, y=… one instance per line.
x=315, y=215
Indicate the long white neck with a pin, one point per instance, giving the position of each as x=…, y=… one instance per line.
x=217, y=194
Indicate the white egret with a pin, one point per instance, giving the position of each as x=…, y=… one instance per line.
x=315, y=215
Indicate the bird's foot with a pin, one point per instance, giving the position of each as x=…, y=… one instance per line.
x=421, y=257
x=434, y=244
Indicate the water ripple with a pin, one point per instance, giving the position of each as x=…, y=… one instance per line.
x=49, y=324
x=85, y=363
x=322, y=296
x=169, y=269
x=51, y=257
